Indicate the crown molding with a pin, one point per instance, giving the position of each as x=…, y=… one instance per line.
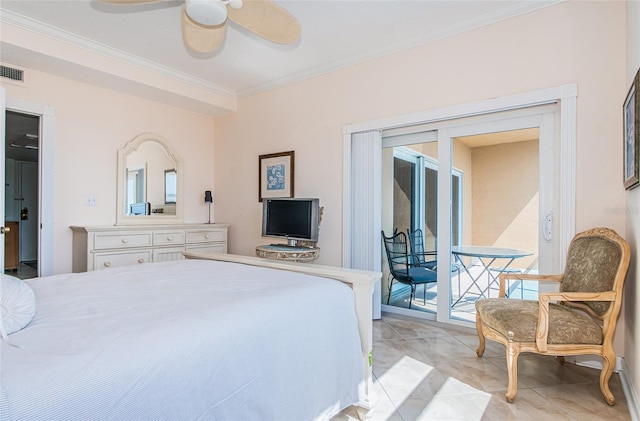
x=43, y=29
x=501, y=14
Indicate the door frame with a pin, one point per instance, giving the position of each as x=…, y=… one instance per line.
x=564, y=95
x=45, y=177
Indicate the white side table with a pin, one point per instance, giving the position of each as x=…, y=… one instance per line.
x=284, y=252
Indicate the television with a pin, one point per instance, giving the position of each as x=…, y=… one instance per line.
x=291, y=218
x=143, y=208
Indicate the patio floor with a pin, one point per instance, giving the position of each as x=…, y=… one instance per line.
x=464, y=308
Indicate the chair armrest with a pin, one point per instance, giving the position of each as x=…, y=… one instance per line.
x=542, y=330
x=504, y=277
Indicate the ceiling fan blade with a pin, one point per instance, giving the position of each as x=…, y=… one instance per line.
x=128, y=1
x=266, y=19
x=202, y=39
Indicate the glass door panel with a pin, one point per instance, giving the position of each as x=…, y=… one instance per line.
x=498, y=227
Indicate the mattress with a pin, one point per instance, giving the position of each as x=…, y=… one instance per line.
x=192, y=339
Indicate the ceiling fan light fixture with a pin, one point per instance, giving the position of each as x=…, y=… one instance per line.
x=206, y=12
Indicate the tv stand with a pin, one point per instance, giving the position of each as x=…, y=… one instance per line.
x=288, y=252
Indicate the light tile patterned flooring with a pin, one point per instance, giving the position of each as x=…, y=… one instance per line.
x=427, y=370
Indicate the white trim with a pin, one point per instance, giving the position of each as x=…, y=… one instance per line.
x=630, y=391
x=441, y=119
x=41, y=28
x=565, y=95
x=424, y=315
x=478, y=21
x=628, y=388
x=568, y=141
x=346, y=196
x=3, y=115
x=46, y=233
x=506, y=103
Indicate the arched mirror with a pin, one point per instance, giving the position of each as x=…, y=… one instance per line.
x=149, y=182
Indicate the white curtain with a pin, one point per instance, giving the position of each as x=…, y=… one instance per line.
x=361, y=218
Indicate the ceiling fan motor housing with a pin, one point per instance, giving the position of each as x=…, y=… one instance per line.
x=206, y=12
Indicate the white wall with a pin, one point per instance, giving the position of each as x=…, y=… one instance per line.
x=91, y=124
x=631, y=310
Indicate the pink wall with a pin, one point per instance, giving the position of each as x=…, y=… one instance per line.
x=91, y=124
x=579, y=42
x=631, y=308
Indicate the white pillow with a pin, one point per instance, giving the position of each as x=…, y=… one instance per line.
x=18, y=304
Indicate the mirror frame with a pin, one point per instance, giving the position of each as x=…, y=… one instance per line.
x=154, y=218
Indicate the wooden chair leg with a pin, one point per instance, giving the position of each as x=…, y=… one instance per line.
x=513, y=350
x=560, y=359
x=608, y=364
x=480, y=350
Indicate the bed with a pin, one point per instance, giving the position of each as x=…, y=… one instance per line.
x=201, y=338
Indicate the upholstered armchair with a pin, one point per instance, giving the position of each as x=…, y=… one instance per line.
x=578, y=319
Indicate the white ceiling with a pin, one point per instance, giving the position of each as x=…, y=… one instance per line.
x=335, y=34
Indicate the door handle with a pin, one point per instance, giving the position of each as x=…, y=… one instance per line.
x=547, y=226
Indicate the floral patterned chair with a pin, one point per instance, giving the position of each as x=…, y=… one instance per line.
x=578, y=319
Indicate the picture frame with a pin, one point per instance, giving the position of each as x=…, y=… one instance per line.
x=631, y=118
x=276, y=175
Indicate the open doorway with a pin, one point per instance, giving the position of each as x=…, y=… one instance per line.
x=22, y=143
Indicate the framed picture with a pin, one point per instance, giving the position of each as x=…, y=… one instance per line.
x=631, y=112
x=275, y=175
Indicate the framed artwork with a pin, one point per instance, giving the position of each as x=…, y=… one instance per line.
x=631, y=111
x=275, y=175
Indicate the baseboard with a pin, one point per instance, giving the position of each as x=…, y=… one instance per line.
x=630, y=392
x=593, y=361
x=628, y=388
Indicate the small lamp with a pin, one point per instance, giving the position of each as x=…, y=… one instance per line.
x=208, y=198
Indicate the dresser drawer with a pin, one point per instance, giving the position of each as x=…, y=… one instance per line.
x=165, y=254
x=106, y=260
x=209, y=248
x=165, y=238
x=122, y=240
x=206, y=236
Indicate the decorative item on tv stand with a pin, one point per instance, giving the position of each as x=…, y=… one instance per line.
x=208, y=199
x=295, y=219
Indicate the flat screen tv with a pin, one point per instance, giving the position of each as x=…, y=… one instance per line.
x=292, y=219
x=143, y=208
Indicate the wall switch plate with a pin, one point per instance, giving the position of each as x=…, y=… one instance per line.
x=91, y=200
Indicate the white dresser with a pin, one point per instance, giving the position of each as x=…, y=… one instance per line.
x=99, y=247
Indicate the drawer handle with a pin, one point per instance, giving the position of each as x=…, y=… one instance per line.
x=141, y=260
x=107, y=264
x=206, y=236
x=169, y=239
x=125, y=241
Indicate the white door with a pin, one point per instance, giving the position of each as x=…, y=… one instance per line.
x=531, y=201
x=2, y=143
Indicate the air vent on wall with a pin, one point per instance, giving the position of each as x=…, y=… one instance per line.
x=12, y=74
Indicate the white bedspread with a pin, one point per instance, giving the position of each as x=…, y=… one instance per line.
x=184, y=340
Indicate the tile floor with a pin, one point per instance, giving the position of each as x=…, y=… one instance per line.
x=25, y=270
x=427, y=370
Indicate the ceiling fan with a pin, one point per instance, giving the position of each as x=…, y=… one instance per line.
x=204, y=22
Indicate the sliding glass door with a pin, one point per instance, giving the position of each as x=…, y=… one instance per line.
x=412, y=208
x=481, y=196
